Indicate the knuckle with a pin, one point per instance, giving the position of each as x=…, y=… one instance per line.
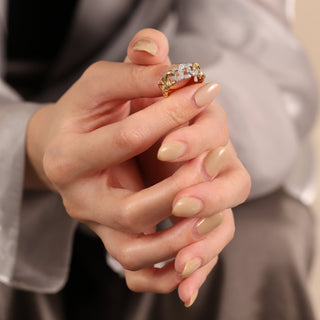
x=223, y=125
x=128, y=224
x=125, y=218
x=126, y=252
x=166, y=289
x=127, y=257
x=176, y=114
x=218, y=200
x=232, y=231
x=224, y=116
x=128, y=217
x=90, y=81
x=56, y=167
x=247, y=183
x=137, y=74
x=224, y=132
x=72, y=209
x=128, y=138
x=137, y=284
x=60, y=162
x=134, y=283
x=94, y=69
x=181, y=178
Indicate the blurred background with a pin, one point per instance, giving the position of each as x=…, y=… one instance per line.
x=307, y=28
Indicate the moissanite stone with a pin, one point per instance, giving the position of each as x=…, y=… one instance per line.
x=184, y=71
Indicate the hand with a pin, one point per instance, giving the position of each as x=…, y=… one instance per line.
x=74, y=136
x=207, y=131
x=78, y=145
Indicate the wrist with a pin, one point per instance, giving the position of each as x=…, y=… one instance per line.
x=36, y=137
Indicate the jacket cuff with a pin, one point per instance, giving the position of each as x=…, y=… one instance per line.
x=35, y=232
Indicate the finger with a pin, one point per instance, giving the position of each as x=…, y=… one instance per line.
x=207, y=131
x=137, y=251
x=227, y=191
x=148, y=47
x=188, y=289
x=138, y=132
x=142, y=103
x=198, y=254
x=152, y=279
x=104, y=81
x=230, y=188
x=196, y=261
x=100, y=116
x=125, y=176
x=122, y=209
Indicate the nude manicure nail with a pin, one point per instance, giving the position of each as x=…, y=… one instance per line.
x=192, y=300
x=187, y=207
x=215, y=160
x=208, y=224
x=190, y=267
x=146, y=45
x=171, y=150
x=207, y=94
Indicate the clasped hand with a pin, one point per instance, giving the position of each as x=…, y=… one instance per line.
x=99, y=147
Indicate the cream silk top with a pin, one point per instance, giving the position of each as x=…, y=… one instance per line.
x=268, y=92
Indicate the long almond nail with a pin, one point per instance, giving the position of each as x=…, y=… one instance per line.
x=190, y=267
x=207, y=94
x=171, y=150
x=146, y=46
x=192, y=300
x=187, y=207
x=215, y=160
x=208, y=224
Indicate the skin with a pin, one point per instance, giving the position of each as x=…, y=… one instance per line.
x=86, y=147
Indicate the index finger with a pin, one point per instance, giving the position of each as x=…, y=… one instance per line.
x=106, y=81
x=136, y=133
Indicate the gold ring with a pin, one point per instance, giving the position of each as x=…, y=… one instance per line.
x=180, y=72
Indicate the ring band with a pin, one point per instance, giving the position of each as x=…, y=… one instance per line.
x=180, y=72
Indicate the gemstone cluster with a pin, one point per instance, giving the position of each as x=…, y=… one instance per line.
x=180, y=72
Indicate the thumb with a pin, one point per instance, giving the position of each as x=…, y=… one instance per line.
x=148, y=47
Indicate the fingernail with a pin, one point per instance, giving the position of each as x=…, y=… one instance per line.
x=187, y=207
x=215, y=161
x=208, y=224
x=171, y=150
x=207, y=94
x=192, y=300
x=146, y=45
x=190, y=267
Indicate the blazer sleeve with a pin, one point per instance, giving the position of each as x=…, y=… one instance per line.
x=268, y=87
x=35, y=232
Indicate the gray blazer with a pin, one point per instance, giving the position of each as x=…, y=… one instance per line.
x=268, y=92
